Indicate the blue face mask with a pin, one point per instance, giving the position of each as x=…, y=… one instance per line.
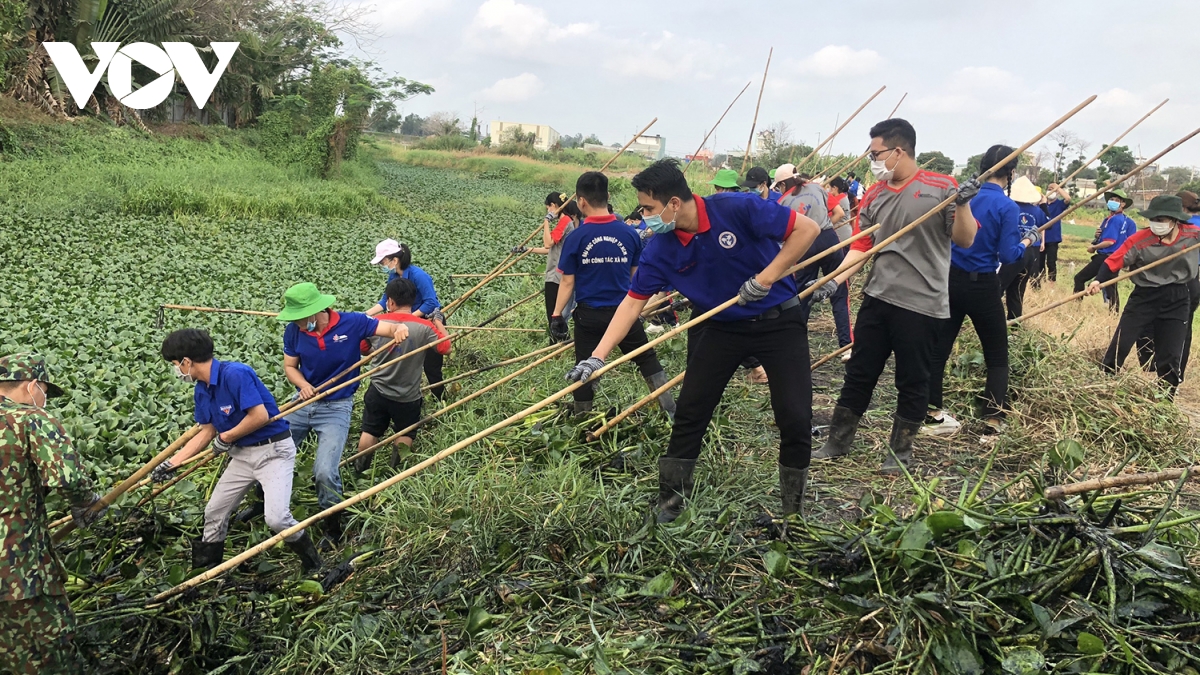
x=1114, y=205
x=656, y=224
x=310, y=326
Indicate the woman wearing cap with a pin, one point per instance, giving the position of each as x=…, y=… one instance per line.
x=396, y=260
x=318, y=344
x=558, y=223
x=841, y=208
x=807, y=198
x=1160, y=300
x=974, y=291
x=758, y=181
x=1014, y=276
x=1110, y=236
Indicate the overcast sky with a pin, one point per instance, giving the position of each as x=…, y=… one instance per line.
x=975, y=73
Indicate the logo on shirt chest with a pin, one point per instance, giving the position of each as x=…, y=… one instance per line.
x=226, y=409
x=340, y=338
x=727, y=240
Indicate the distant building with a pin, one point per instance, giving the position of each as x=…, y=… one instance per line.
x=545, y=136
x=651, y=147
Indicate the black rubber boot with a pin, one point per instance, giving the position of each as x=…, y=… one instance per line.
x=842, y=428
x=207, y=555
x=793, y=483
x=310, y=560
x=255, y=509
x=665, y=401
x=582, y=408
x=904, y=433
x=674, y=486
x=331, y=527
x=363, y=463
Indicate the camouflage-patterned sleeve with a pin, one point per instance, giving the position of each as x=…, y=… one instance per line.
x=56, y=459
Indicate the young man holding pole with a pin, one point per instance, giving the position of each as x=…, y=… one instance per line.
x=906, y=291
x=234, y=409
x=37, y=626
x=1110, y=236
x=713, y=249
x=394, y=397
x=598, y=261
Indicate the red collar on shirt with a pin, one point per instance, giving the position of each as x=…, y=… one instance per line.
x=600, y=219
x=320, y=335
x=685, y=238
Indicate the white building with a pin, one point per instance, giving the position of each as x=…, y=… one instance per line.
x=545, y=136
x=653, y=148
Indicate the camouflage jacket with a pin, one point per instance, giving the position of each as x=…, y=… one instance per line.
x=35, y=455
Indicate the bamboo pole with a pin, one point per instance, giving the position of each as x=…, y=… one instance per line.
x=830, y=356
x=856, y=160
x=1110, y=146
x=115, y=493
x=171, y=483
x=461, y=402
x=593, y=435
x=714, y=127
x=754, y=122
x=498, y=330
x=506, y=263
x=1118, y=180
x=1058, y=492
x=506, y=274
x=484, y=369
x=467, y=442
x=190, y=308
x=839, y=129
x=1106, y=284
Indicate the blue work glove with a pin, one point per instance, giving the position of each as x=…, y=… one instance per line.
x=823, y=292
x=752, y=291
x=558, y=329
x=967, y=191
x=583, y=371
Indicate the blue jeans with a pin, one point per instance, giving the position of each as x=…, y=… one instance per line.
x=331, y=422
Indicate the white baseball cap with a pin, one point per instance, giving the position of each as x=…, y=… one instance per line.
x=784, y=172
x=385, y=248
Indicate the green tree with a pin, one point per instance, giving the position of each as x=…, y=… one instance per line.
x=937, y=162
x=972, y=168
x=1118, y=160
x=412, y=125
x=593, y=139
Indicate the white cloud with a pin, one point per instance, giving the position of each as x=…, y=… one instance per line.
x=401, y=16
x=836, y=61
x=987, y=78
x=513, y=29
x=669, y=57
x=514, y=89
x=1120, y=98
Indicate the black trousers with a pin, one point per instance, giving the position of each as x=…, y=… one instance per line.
x=590, y=324
x=839, y=302
x=551, y=292
x=1145, y=343
x=715, y=348
x=1046, y=263
x=1089, y=272
x=433, y=371
x=976, y=296
x=1014, y=278
x=1165, y=310
x=883, y=329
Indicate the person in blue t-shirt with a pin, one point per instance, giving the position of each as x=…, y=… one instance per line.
x=396, y=259
x=234, y=411
x=1111, y=234
x=1014, y=277
x=597, y=263
x=975, y=292
x=758, y=181
x=728, y=245
x=1057, y=201
x=320, y=344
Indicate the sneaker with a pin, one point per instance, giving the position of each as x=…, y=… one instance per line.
x=655, y=329
x=757, y=375
x=994, y=426
x=940, y=424
x=846, y=356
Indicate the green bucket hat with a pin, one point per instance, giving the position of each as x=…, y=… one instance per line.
x=725, y=178
x=302, y=301
x=1167, y=206
x=27, y=367
x=1120, y=194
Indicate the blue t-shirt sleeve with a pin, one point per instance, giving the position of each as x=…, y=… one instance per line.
x=201, y=415
x=291, y=336
x=425, y=292
x=244, y=388
x=361, y=325
x=568, y=262
x=648, y=279
x=768, y=220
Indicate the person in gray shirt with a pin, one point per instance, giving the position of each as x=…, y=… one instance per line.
x=394, y=397
x=906, y=291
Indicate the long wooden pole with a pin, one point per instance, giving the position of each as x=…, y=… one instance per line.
x=191, y=308
x=842, y=167
x=1118, y=180
x=459, y=403
x=831, y=356
x=501, y=364
x=467, y=442
x=498, y=330
x=839, y=129
x=642, y=402
x=1111, y=145
x=714, y=127
x=754, y=122
x=1106, y=284
x=505, y=264
x=1058, y=492
x=506, y=274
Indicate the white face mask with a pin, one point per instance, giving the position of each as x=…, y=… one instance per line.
x=33, y=398
x=1161, y=229
x=879, y=167
x=186, y=377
